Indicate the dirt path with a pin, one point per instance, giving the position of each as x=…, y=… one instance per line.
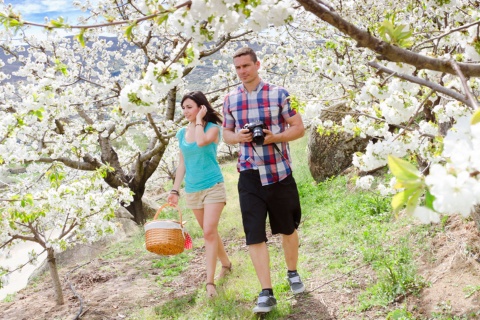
x=108, y=288
x=111, y=288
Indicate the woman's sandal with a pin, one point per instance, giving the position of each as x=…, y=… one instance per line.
x=225, y=271
x=211, y=294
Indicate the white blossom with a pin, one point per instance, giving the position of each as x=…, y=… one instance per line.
x=364, y=182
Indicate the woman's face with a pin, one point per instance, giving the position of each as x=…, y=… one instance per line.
x=190, y=109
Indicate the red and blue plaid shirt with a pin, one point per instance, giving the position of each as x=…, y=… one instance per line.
x=270, y=104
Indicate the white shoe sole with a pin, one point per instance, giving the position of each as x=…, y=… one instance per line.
x=258, y=309
x=302, y=289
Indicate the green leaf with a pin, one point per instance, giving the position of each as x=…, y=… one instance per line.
x=475, y=117
x=61, y=67
x=161, y=18
x=109, y=18
x=189, y=56
x=129, y=30
x=14, y=23
x=296, y=104
x=386, y=29
x=81, y=37
x=394, y=34
x=413, y=200
x=59, y=23
x=402, y=170
x=401, y=199
x=429, y=198
x=330, y=45
x=39, y=114
x=408, y=184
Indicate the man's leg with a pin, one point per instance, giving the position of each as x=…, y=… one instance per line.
x=261, y=263
x=290, y=249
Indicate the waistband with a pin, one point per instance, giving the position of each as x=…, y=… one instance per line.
x=250, y=171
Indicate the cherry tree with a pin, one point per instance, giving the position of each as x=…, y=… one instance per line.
x=99, y=111
x=410, y=73
x=68, y=209
x=99, y=100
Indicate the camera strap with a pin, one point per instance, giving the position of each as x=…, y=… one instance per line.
x=276, y=148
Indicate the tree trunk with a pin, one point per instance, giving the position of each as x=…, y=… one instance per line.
x=476, y=216
x=52, y=266
x=136, y=209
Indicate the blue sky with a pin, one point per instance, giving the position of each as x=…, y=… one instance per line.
x=37, y=10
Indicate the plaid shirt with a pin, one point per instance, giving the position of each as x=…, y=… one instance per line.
x=267, y=103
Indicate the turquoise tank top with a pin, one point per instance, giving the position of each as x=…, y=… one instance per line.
x=202, y=170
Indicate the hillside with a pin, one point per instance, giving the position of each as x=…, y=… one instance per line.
x=358, y=262
x=196, y=78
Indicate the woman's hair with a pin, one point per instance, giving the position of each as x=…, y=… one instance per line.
x=200, y=99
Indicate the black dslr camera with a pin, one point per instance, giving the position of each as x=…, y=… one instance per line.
x=256, y=128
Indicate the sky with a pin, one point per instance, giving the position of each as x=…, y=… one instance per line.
x=37, y=10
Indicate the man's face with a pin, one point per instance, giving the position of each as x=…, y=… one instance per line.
x=247, y=70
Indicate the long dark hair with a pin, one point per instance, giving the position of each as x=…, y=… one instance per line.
x=200, y=99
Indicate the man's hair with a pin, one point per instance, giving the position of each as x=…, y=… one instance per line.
x=246, y=51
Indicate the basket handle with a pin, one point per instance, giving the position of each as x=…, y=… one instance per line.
x=169, y=205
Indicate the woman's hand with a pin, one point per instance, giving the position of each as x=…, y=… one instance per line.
x=201, y=113
x=172, y=199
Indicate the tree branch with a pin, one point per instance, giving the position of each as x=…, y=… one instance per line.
x=471, y=98
x=377, y=119
x=434, y=86
x=446, y=34
x=387, y=51
x=128, y=125
x=70, y=163
x=147, y=155
x=155, y=128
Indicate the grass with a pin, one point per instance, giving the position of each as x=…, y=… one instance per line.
x=9, y=297
x=126, y=249
x=342, y=230
x=348, y=239
x=348, y=227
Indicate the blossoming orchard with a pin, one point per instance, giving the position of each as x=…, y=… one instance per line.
x=90, y=117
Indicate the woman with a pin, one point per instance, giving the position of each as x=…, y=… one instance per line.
x=204, y=187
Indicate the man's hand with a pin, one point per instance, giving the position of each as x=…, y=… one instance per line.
x=244, y=135
x=269, y=136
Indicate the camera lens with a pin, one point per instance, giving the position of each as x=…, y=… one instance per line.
x=258, y=135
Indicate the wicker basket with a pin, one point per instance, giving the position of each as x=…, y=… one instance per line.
x=165, y=237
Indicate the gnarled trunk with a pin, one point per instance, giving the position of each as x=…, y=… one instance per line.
x=136, y=209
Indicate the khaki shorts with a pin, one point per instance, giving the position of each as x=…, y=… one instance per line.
x=215, y=194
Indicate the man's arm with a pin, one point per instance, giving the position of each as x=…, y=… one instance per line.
x=294, y=131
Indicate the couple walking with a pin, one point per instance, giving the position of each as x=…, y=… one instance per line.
x=266, y=186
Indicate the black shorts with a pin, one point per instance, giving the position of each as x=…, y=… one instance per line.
x=280, y=200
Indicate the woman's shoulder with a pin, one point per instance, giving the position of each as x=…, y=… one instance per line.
x=180, y=132
x=211, y=125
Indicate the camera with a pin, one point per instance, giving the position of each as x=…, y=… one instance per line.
x=256, y=128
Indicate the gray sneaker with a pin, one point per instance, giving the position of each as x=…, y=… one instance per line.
x=265, y=303
x=296, y=284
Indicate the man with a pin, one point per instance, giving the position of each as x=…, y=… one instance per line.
x=266, y=185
